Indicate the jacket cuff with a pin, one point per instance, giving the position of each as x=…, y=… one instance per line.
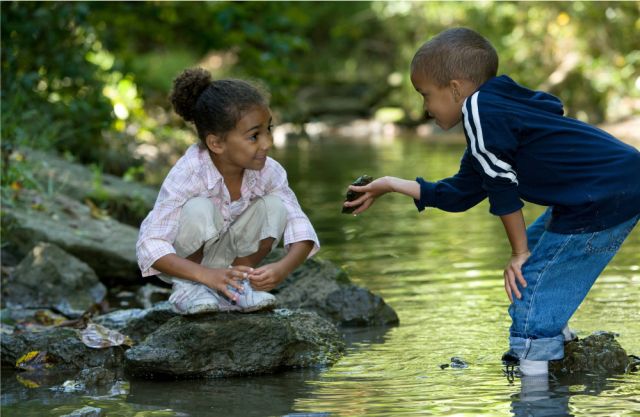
x=427, y=194
x=504, y=202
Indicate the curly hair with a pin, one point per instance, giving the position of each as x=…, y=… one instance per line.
x=457, y=53
x=215, y=107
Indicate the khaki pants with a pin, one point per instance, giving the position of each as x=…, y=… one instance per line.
x=200, y=224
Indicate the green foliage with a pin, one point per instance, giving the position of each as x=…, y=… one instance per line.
x=51, y=95
x=91, y=79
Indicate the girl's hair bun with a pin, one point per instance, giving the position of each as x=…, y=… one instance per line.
x=187, y=87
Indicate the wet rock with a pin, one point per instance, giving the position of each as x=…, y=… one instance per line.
x=320, y=286
x=352, y=195
x=597, y=353
x=351, y=305
x=456, y=363
x=50, y=278
x=137, y=323
x=63, y=349
x=86, y=411
x=634, y=364
x=106, y=245
x=228, y=344
x=96, y=377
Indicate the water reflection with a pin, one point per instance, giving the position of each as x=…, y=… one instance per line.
x=538, y=399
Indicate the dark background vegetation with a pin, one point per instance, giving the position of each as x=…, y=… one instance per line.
x=90, y=80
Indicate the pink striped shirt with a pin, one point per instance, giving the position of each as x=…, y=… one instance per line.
x=195, y=175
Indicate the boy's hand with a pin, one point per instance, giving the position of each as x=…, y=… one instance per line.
x=267, y=277
x=218, y=279
x=513, y=271
x=370, y=192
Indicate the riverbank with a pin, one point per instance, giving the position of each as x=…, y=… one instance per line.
x=378, y=131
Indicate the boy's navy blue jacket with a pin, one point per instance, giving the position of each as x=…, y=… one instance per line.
x=521, y=147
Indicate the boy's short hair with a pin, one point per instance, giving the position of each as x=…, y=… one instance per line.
x=457, y=53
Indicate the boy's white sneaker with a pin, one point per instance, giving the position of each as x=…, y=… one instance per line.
x=534, y=368
x=569, y=334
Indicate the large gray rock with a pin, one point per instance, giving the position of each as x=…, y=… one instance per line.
x=105, y=244
x=135, y=322
x=127, y=201
x=219, y=345
x=596, y=353
x=320, y=286
x=63, y=348
x=50, y=278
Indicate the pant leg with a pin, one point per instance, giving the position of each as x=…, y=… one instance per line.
x=265, y=218
x=200, y=223
x=561, y=270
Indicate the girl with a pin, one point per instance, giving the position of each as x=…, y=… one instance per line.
x=224, y=205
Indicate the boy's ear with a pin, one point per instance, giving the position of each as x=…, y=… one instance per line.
x=456, y=90
x=215, y=144
x=461, y=89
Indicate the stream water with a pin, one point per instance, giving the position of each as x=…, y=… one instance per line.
x=440, y=271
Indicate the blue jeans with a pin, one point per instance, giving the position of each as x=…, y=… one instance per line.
x=559, y=273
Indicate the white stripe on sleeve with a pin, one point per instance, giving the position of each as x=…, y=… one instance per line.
x=477, y=145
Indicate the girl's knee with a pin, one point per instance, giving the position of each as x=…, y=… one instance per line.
x=199, y=222
x=274, y=208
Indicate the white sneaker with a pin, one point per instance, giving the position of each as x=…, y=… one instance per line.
x=190, y=298
x=569, y=334
x=251, y=300
x=534, y=368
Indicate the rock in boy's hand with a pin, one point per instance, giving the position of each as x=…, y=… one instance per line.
x=369, y=192
x=513, y=272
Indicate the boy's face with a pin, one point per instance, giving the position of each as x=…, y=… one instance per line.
x=444, y=104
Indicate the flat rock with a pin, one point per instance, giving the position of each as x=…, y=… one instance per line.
x=229, y=344
x=107, y=246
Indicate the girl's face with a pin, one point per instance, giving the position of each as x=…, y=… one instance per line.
x=441, y=103
x=248, y=144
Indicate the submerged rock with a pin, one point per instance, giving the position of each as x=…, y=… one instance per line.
x=597, y=353
x=86, y=411
x=220, y=345
x=50, y=278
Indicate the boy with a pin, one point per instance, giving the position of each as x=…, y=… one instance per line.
x=521, y=147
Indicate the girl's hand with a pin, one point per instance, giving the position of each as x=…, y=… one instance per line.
x=219, y=279
x=371, y=191
x=513, y=271
x=267, y=277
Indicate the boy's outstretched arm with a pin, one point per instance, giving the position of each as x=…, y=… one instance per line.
x=379, y=187
x=517, y=233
